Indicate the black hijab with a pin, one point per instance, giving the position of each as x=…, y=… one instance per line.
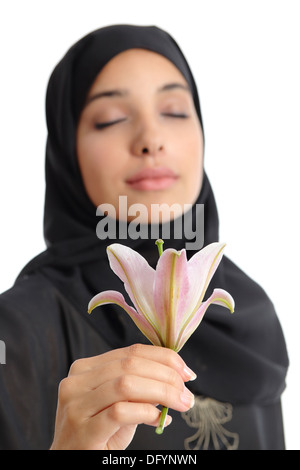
x=240, y=358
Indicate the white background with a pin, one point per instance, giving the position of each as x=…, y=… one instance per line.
x=245, y=57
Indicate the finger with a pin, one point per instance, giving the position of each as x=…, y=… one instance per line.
x=138, y=389
x=131, y=365
x=155, y=353
x=129, y=413
x=106, y=424
x=164, y=356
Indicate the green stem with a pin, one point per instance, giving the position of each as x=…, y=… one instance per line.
x=164, y=411
x=163, y=417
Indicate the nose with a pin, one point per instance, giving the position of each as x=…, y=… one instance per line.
x=151, y=149
x=147, y=142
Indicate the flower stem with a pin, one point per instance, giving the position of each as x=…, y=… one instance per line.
x=163, y=417
x=164, y=411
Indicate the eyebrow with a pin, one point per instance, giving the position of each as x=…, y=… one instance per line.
x=174, y=86
x=108, y=93
x=121, y=93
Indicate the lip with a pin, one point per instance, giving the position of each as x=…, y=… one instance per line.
x=152, y=179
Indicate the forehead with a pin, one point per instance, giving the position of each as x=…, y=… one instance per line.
x=137, y=66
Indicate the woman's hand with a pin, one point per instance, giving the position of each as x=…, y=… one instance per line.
x=105, y=397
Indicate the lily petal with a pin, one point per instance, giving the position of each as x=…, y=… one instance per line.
x=114, y=297
x=171, y=289
x=201, y=268
x=138, y=277
x=219, y=297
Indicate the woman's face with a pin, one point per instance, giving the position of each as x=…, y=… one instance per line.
x=139, y=135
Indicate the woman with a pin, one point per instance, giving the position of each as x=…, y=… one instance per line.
x=123, y=101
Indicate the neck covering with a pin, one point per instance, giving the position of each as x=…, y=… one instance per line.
x=239, y=358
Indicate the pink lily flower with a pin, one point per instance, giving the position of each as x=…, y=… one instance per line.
x=168, y=301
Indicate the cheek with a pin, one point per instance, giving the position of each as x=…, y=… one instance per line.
x=93, y=159
x=193, y=157
x=193, y=162
x=97, y=170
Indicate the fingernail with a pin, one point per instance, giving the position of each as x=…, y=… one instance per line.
x=189, y=373
x=168, y=420
x=187, y=398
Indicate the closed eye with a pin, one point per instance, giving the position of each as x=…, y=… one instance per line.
x=103, y=125
x=176, y=115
